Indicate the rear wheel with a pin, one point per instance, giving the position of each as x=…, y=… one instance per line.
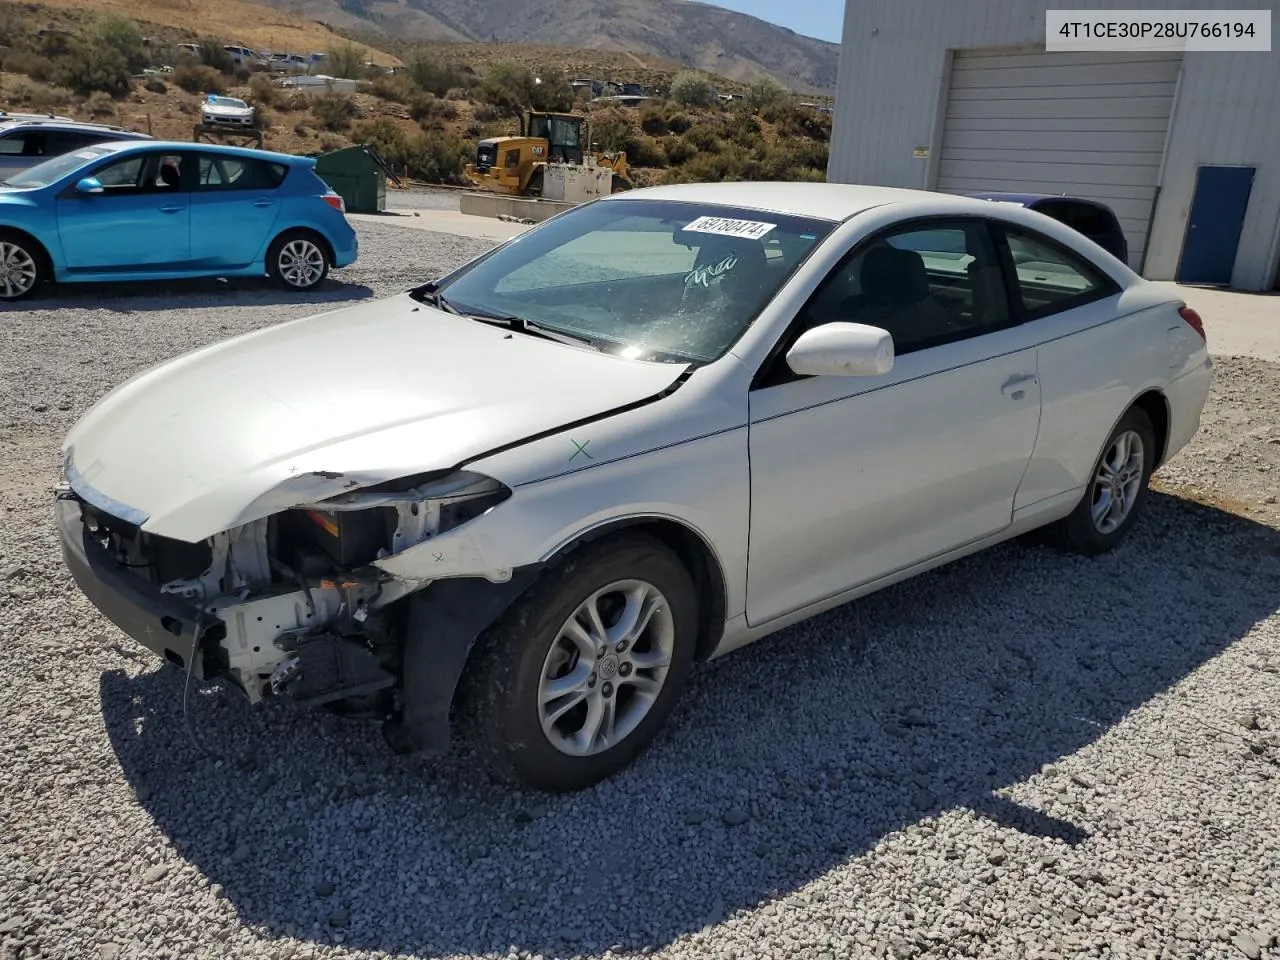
x=298, y=260
x=21, y=266
x=1117, y=489
x=580, y=674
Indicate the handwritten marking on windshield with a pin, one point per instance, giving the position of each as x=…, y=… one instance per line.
x=705, y=274
x=580, y=448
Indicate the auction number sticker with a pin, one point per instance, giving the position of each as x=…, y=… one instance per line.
x=724, y=227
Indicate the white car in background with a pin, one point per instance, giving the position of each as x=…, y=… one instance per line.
x=221, y=111
x=651, y=430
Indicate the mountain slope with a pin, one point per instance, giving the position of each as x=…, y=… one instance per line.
x=710, y=38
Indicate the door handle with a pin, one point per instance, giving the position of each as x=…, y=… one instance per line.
x=1017, y=387
x=264, y=203
x=171, y=208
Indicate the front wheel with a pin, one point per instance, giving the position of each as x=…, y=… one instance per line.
x=580, y=674
x=1117, y=489
x=21, y=267
x=298, y=260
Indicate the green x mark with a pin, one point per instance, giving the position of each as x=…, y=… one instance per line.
x=580, y=448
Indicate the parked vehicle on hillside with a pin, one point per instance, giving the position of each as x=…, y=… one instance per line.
x=222, y=111
x=648, y=431
x=162, y=210
x=1090, y=217
x=28, y=139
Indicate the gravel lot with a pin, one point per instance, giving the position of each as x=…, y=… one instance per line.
x=1022, y=755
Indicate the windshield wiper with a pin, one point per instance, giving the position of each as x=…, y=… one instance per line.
x=429, y=293
x=521, y=325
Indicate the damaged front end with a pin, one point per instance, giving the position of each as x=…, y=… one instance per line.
x=293, y=604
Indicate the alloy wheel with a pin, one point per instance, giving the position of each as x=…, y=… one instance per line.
x=301, y=263
x=18, y=271
x=1119, y=479
x=606, y=668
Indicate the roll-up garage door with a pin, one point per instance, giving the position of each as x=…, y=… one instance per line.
x=1083, y=124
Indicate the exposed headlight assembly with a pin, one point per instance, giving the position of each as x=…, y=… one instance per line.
x=424, y=506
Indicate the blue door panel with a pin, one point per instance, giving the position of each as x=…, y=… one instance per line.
x=105, y=233
x=1213, y=229
x=229, y=228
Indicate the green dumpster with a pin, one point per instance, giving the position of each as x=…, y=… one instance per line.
x=358, y=175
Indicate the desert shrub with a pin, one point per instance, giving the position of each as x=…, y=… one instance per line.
x=457, y=93
x=94, y=66
x=704, y=138
x=328, y=144
x=99, y=104
x=395, y=87
x=333, y=110
x=37, y=96
x=743, y=129
x=487, y=113
x=301, y=129
x=644, y=151
x=611, y=130
x=510, y=88
x=432, y=76
x=266, y=119
x=431, y=156
x=156, y=85
x=292, y=102
x=763, y=94
x=692, y=90
x=212, y=55
x=346, y=61
x=242, y=74
x=678, y=122
x=123, y=36
x=427, y=109
x=653, y=121
x=262, y=90
x=35, y=66
x=199, y=78
x=794, y=121
x=679, y=150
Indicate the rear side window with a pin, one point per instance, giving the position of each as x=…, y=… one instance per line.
x=1049, y=278
x=236, y=173
x=30, y=144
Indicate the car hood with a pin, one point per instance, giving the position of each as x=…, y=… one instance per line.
x=305, y=410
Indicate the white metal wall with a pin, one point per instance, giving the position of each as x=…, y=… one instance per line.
x=1091, y=125
x=891, y=105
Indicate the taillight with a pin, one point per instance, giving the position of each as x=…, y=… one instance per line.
x=1193, y=320
x=335, y=201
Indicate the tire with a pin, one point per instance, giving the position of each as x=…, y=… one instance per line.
x=1080, y=532
x=22, y=267
x=298, y=260
x=502, y=695
x=537, y=181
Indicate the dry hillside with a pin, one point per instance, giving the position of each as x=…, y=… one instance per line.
x=697, y=35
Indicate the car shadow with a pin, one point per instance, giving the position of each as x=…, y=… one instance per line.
x=782, y=761
x=133, y=297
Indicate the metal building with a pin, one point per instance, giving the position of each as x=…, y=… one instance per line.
x=962, y=96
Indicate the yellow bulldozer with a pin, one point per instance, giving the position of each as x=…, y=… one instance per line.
x=518, y=166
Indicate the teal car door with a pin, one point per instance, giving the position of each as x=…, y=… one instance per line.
x=139, y=223
x=234, y=207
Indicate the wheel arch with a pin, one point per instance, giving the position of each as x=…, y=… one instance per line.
x=1156, y=406
x=46, y=259
x=300, y=228
x=694, y=551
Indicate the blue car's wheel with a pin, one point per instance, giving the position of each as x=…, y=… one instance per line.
x=298, y=260
x=21, y=266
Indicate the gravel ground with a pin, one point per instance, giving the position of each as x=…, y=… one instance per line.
x=1022, y=755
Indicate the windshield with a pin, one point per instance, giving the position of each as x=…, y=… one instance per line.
x=43, y=174
x=644, y=278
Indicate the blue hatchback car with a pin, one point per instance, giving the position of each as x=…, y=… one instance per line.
x=155, y=210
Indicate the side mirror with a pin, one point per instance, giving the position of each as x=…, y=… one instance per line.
x=842, y=350
x=89, y=186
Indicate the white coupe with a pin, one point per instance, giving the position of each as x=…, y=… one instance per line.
x=655, y=428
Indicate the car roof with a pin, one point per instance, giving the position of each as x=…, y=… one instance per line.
x=187, y=146
x=51, y=122
x=823, y=201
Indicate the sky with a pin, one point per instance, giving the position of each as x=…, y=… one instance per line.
x=815, y=18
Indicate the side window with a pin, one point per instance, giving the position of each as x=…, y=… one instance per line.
x=234, y=173
x=59, y=142
x=123, y=176
x=1049, y=278
x=927, y=285
x=14, y=145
